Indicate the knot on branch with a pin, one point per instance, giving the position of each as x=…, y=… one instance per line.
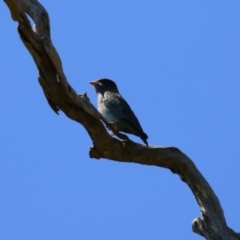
x=197, y=226
x=93, y=153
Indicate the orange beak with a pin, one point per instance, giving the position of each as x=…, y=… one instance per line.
x=94, y=83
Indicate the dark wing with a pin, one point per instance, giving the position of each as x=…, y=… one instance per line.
x=120, y=108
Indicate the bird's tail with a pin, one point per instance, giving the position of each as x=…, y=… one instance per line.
x=144, y=136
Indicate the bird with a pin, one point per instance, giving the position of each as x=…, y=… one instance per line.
x=116, y=110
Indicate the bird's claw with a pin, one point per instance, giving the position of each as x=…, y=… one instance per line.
x=111, y=125
x=112, y=134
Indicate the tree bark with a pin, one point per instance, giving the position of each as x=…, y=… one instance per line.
x=61, y=96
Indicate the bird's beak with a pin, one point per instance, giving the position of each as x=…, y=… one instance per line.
x=94, y=83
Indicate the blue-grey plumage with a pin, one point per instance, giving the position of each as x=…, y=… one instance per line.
x=116, y=110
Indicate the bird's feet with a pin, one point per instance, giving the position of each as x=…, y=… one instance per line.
x=112, y=134
x=115, y=132
x=112, y=126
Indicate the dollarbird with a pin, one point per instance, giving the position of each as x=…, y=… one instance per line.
x=116, y=110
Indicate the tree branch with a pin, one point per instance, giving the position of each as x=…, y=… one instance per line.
x=61, y=96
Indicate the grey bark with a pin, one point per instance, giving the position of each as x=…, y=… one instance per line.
x=61, y=96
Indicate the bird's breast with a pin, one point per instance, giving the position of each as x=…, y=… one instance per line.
x=106, y=112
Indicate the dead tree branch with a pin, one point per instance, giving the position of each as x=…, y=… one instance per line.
x=61, y=96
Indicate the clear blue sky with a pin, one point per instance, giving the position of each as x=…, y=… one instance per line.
x=177, y=64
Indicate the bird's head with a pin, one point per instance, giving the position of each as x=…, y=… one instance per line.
x=104, y=84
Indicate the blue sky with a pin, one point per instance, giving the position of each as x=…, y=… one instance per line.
x=177, y=64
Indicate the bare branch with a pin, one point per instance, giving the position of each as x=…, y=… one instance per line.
x=61, y=96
